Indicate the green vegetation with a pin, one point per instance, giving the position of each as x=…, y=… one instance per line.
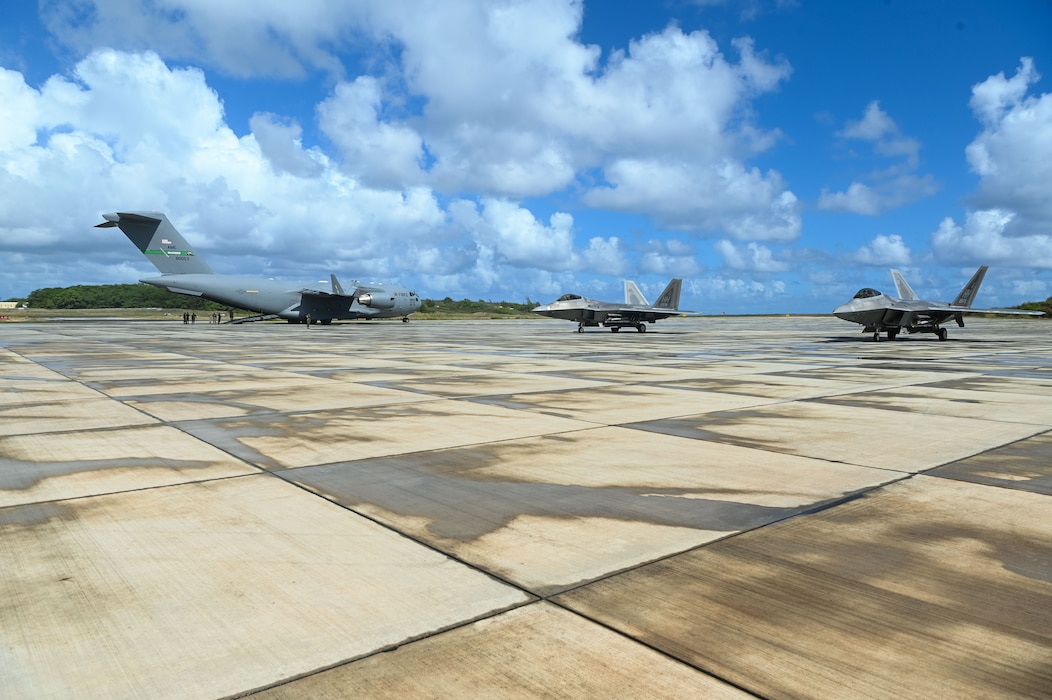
x=115, y=296
x=1045, y=306
x=145, y=296
x=465, y=307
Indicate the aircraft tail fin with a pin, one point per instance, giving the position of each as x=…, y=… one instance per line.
x=337, y=288
x=634, y=297
x=967, y=295
x=153, y=234
x=669, y=298
x=905, y=291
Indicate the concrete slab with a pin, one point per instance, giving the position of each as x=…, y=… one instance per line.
x=901, y=440
x=322, y=437
x=553, y=512
x=211, y=589
x=83, y=413
x=1007, y=407
x=616, y=404
x=999, y=384
x=774, y=386
x=1025, y=465
x=56, y=466
x=434, y=502
x=45, y=387
x=465, y=383
x=262, y=396
x=534, y=651
x=926, y=588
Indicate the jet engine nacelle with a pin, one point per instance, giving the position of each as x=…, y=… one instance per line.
x=376, y=302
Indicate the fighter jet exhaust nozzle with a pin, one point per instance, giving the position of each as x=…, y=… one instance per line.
x=375, y=302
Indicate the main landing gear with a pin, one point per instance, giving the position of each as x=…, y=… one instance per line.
x=641, y=327
x=894, y=332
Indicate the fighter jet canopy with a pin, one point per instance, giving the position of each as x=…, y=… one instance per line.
x=866, y=293
x=569, y=297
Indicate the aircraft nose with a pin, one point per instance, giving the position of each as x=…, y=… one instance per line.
x=841, y=310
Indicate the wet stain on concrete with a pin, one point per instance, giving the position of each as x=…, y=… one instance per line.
x=713, y=427
x=29, y=517
x=1025, y=465
x=22, y=475
x=891, y=594
x=447, y=489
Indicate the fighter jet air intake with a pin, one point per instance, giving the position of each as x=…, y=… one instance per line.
x=636, y=312
x=877, y=312
x=184, y=272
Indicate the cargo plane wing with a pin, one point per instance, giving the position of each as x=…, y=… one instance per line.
x=878, y=312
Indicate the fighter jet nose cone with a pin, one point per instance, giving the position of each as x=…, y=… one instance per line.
x=841, y=310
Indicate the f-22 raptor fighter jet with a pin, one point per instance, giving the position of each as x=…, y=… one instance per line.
x=878, y=312
x=184, y=272
x=636, y=312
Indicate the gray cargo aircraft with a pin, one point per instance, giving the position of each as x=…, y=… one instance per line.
x=878, y=312
x=184, y=272
x=636, y=312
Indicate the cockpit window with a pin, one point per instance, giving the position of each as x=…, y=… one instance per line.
x=569, y=297
x=866, y=293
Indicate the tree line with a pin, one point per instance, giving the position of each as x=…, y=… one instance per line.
x=145, y=296
x=115, y=296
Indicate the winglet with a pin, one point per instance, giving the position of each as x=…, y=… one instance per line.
x=967, y=295
x=634, y=297
x=902, y=287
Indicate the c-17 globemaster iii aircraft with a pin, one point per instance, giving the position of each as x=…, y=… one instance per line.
x=878, y=312
x=184, y=272
x=635, y=312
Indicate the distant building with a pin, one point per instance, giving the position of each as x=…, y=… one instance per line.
x=8, y=304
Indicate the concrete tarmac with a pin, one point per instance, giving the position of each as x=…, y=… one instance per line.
x=720, y=507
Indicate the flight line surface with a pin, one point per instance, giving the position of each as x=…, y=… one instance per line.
x=721, y=507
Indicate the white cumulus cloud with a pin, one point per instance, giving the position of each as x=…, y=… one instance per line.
x=751, y=257
x=887, y=188
x=884, y=251
x=1010, y=219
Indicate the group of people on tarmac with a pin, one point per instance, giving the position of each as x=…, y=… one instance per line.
x=191, y=317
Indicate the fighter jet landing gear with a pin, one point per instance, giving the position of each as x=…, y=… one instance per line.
x=580, y=328
x=641, y=327
x=941, y=332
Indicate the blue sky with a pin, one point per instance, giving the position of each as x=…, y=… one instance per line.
x=777, y=155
